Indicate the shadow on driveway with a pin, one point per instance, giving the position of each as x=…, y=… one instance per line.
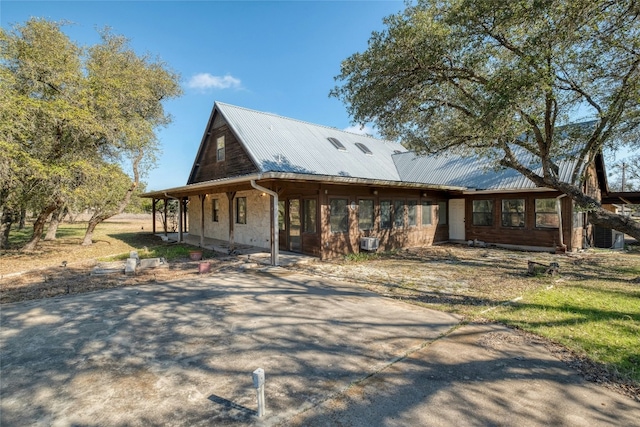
x=181, y=353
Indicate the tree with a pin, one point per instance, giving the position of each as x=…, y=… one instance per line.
x=67, y=109
x=497, y=79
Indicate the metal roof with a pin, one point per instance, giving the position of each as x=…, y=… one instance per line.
x=281, y=144
x=288, y=147
x=470, y=172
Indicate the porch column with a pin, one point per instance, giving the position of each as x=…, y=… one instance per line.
x=164, y=218
x=153, y=215
x=231, y=195
x=202, y=197
x=180, y=213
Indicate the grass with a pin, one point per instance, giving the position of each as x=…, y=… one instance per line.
x=168, y=252
x=592, y=307
x=596, y=319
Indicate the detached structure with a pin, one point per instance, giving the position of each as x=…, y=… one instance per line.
x=277, y=183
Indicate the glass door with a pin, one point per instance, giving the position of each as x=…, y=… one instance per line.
x=295, y=242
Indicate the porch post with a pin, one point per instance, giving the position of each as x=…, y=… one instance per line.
x=164, y=219
x=202, y=197
x=275, y=238
x=180, y=213
x=153, y=215
x=231, y=195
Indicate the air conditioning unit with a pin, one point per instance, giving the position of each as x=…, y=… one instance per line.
x=369, y=243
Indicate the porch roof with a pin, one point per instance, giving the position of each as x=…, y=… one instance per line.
x=213, y=185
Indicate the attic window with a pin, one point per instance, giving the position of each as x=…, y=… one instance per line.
x=364, y=149
x=337, y=144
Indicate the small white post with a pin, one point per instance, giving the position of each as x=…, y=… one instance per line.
x=258, y=383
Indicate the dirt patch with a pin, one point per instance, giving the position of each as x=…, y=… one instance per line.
x=78, y=278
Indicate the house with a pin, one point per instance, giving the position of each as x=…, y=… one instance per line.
x=278, y=183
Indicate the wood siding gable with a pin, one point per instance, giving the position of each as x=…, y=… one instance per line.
x=237, y=161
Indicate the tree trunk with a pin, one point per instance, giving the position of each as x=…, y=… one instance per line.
x=621, y=223
x=91, y=226
x=5, y=227
x=596, y=213
x=56, y=216
x=38, y=226
x=23, y=217
x=98, y=218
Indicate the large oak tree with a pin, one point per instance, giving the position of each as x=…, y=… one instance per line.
x=496, y=79
x=67, y=108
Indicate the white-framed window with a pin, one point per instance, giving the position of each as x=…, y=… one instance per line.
x=220, y=148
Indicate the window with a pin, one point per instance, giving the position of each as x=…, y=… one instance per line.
x=364, y=149
x=309, y=215
x=281, y=224
x=385, y=214
x=241, y=210
x=215, y=210
x=365, y=214
x=482, y=212
x=427, y=209
x=513, y=213
x=398, y=213
x=339, y=215
x=442, y=213
x=337, y=144
x=412, y=213
x=220, y=148
x=546, y=215
x=578, y=217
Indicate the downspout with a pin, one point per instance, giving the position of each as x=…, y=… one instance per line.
x=559, y=211
x=274, y=222
x=179, y=216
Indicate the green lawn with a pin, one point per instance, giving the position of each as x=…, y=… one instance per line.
x=599, y=319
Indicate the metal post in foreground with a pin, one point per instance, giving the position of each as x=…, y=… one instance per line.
x=258, y=383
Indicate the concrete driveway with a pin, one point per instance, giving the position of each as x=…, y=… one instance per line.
x=181, y=353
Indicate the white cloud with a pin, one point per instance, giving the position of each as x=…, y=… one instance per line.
x=207, y=81
x=360, y=130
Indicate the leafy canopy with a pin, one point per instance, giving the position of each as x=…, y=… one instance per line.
x=477, y=75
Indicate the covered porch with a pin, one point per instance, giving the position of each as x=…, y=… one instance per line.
x=250, y=253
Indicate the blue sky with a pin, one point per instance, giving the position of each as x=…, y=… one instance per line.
x=274, y=56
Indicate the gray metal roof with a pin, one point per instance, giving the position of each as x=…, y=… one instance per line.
x=470, y=172
x=284, y=145
x=280, y=144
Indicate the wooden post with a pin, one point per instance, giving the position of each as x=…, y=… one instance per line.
x=164, y=220
x=202, y=198
x=186, y=213
x=153, y=215
x=180, y=232
x=231, y=195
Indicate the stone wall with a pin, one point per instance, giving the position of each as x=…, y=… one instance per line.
x=257, y=230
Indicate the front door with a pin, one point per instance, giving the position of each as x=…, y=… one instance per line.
x=456, y=219
x=295, y=241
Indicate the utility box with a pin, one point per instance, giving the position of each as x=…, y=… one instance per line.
x=369, y=243
x=607, y=238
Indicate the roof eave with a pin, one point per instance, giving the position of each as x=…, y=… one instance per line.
x=201, y=187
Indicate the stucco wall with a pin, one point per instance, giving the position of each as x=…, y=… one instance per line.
x=257, y=230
